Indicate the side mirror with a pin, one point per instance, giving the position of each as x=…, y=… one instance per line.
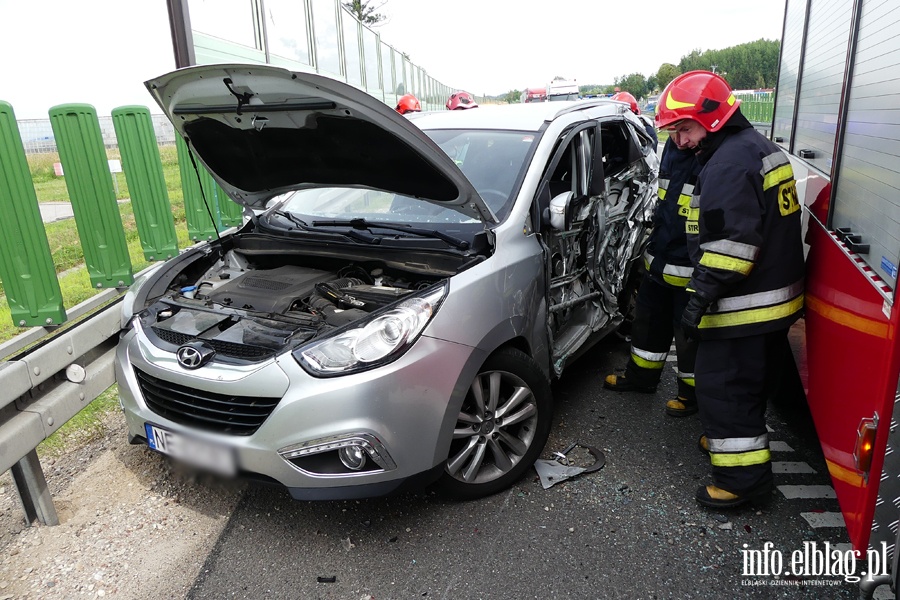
x=560, y=213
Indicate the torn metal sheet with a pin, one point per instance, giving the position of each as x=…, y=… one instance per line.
x=552, y=471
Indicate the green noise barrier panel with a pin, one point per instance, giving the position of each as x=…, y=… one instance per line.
x=146, y=182
x=90, y=187
x=201, y=227
x=26, y=266
x=230, y=212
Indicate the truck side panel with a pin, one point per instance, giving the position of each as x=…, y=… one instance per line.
x=851, y=361
x=835, y=114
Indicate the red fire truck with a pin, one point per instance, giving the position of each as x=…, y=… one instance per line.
x=836, y=115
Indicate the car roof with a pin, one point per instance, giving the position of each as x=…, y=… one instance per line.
x=529, y=116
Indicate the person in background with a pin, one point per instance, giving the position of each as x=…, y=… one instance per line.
x=461, y=101
x=632, y=103
x=744, y=238
x=662, y=297
x=407, y=104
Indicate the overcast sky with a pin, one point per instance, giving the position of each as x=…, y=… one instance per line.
x=493, y=46
x=100, y=51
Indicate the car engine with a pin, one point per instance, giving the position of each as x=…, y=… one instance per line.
x=249, y=313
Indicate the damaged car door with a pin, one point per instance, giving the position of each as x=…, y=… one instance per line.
x=593, y=209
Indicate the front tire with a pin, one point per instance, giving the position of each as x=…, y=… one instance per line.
x=501, y=429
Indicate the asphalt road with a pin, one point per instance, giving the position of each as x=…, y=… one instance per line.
x=630, y=530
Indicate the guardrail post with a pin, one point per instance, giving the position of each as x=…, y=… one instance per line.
x=26, y=265
x=33, y=491
x=90, y=186
x=201, y=227
x=146, y=183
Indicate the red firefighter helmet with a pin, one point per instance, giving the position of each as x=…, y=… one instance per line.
x=461, y=100
x=408, y=103
x=697, y=95
x=626, y=97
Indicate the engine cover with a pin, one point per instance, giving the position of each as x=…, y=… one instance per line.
x=273, y=290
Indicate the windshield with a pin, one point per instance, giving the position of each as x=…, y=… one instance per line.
x=493, y=161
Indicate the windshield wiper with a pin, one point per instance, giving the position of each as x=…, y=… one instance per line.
x=368, y=225
x=352, y=234
x=292, y=218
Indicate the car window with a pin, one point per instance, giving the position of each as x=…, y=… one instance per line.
x=571, y=168
x=619, y=148
x=491, y=160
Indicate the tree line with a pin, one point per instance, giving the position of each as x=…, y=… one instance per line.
x=753, y=65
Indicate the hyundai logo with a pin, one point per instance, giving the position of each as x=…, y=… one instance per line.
x=194, y=355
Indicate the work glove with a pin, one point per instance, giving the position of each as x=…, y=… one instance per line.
x=690, y=319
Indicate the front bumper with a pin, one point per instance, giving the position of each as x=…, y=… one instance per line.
x=409, y=407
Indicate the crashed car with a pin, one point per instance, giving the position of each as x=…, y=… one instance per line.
x=402, y=291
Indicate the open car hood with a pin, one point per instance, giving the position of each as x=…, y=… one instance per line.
x=262, y=131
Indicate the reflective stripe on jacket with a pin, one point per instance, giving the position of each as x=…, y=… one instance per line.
x=667, y=258
x=744, y=236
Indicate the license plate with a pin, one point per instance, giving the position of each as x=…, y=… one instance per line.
x=192, y=451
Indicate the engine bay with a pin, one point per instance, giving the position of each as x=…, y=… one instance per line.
x=248, y=311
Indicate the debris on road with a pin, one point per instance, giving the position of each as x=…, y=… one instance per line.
x=552, y=471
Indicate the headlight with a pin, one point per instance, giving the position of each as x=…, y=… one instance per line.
x=128, y=301
x=372, y=342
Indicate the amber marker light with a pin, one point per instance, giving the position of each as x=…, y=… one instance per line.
x=865, y=445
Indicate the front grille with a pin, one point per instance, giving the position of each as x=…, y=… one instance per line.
x=220, y=413
x=230, y=349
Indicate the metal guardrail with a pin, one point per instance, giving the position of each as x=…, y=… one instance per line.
x=66, y=360
x=46, y=385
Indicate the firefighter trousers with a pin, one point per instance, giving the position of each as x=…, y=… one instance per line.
x=657, y=318
x=734, y=378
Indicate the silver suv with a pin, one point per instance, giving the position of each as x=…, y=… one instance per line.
x=401, y=293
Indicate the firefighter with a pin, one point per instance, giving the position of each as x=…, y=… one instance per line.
x=743, y=231
x=661, y=297
x=632, y=103
x=407, y=104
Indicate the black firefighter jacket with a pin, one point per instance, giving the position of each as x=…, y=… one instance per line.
x=744, y=235
x=667, y=259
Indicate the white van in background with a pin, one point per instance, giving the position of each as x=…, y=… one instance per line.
x=562, y=89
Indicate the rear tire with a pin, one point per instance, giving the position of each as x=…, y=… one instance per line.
x=502, y=427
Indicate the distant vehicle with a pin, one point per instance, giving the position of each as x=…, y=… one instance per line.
x=562, y=89
x=534, y=95
x=650, y=107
